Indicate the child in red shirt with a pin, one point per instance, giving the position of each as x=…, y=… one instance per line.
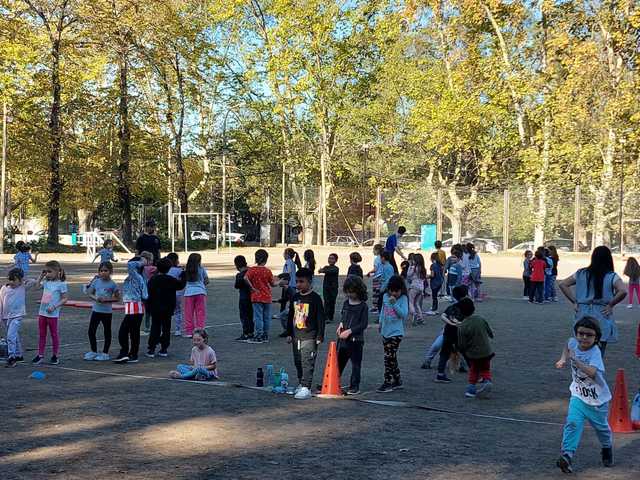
x=260, y=280
x=538, y=264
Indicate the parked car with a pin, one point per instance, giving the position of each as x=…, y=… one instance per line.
x=482, y=244
x=341, y=241
x=200, y=235
x=235, y=238
x=411, y=241
x=370, y=242
x=522, y=247
x=565, y=244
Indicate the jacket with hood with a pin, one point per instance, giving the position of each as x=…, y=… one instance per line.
x=134, y=288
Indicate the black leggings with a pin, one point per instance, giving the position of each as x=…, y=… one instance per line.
x=96, y=319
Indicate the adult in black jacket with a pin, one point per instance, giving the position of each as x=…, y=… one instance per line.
x=148, y=241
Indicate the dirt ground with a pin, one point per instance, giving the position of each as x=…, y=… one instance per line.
x=107, y=421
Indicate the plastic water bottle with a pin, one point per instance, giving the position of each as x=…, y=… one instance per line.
x=635, y=411
x=4, y=348
x=270, y=380
x=260, y=378
x=284, y=379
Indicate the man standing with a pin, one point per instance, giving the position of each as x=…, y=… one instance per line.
x=149, y=241
x=392, y=245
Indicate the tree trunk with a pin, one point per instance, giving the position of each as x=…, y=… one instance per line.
x=602, y=190
x=541, y=212
x=55, y=132
x=124, y=136
x=182, y=180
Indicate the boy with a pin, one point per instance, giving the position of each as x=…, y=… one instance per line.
x=330, y=286
x=354, y=269
x=260, y=280
x=244, y=299
x=305, y=329
x=474, y=336
x=442, y=256
x=590, y=394
x=161, y=304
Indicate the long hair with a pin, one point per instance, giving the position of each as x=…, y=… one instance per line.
x=193, y=267
x=355, y=284
x=632, y=268
x=553, y=253
x=471, y=250
x=601, y=264
x=56, y=267
x=419, y=266
x=310, y=258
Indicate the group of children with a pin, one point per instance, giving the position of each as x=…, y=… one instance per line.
x=539, y=274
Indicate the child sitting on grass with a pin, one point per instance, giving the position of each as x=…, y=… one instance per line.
x=203, y=364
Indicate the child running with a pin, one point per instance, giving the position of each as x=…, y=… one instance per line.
x=203, y=364
x=474, y=343
x=305, y=331
x=176, y=271
x=13, y=310
x=134, y=294
x=526, y=274
x=330, y=286
x=590, y=394
x=23, y=258
x=392, y=316
x=355, y=319
x=54, y=296
x=354, y=269
x=195, y=295
x=104, y=292
x=417, y=280
x=632, y=270
x=245, y=310
x=106, y=253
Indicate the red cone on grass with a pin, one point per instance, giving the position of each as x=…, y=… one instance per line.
x=331, y=380
x=619, y=415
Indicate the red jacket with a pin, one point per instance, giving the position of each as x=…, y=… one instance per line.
x=537, y=270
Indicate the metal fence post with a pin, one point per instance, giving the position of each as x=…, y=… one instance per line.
x=505, y=220
x=378, y=203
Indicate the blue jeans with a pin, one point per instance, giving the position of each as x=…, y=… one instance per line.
x=577, y=414
x=189, y=372
x=549, y=287
x=435, y=347
x=262, y=319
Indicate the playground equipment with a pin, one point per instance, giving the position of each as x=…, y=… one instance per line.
x=94, y=240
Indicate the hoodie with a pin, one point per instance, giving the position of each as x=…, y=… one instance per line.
x=134, y=288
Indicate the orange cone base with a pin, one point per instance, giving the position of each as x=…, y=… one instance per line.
x=619, y=415
x=331, y=380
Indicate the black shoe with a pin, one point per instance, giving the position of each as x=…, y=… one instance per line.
x=265, y=339
x=442, y=378
x=54, y=360
x=607, y=457
x=11, y=362
x=256, y=339
x=132, y=359
x=564, y=464
x=37, y=360
x=121, y=359
x=163, y=353
x=353, y=391
x=19, y=359
x=242, y=338
x=385, y=388
x=397, y=385
x=426, y=365
x=283, y=335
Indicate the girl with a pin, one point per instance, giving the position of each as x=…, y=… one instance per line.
x=590, y=394
x=475, y=268
x=436, y=280
x=104, y=292
x=23, y=258
x=309, y=261
x=195, y=295
x=148, y=271
x=598, y=290
x=106, y=253
x=291, y=261
x=355, y=319
x=203, y=364
x=632, y=270
x=404, y=269
x=354, y=269
x=417, y=277
x=134, y=294
x=54, y=295
x=12, y=311
x=377, y=277
x=176, y=271
x=555, y=259
x=526, y=274
x=392, y=316
x=536, y=286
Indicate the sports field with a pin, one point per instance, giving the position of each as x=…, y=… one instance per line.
x=100, y=420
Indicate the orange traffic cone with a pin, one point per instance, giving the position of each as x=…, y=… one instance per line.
x=619, y=416
x=331, y=380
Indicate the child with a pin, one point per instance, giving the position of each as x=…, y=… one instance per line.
x=134, y=294
x=355, y=319
x=548, y=275
x=474, y=343
x=475, y=272
x=455, y=269
x=436, y=279
x=404, y=268
x=203, y=364
x=416, y=278
x=195, y=295
x=536, y=289
x=260, y=280
x=285, y=301
x=354, y=269
x=162, y=290
x=376, y=281
x=54, y=295
x=13, y=310
x=632, y=270
x=106, y=253
x=244, y=299
x=291, y=261
x=526, y=274
x=590, y=393
x=387, y=273
x=305, y=330
x=555, y=259
x=392, y=316
x=310, y=261
x=148, y=271
x=23, y=258
x=442, y=256
x=104, y=292
x=330, y=286
x=176, y=271
x=452, y=318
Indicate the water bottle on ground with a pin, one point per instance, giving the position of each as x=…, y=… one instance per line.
x=269, y=376
x=260, y=378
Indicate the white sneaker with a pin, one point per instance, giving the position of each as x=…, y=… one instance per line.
x=303, y=394
x=431, y=313
x=89, y=356
x=298, y=388
x=525, y=298
x=629, y=306
x=103, y=357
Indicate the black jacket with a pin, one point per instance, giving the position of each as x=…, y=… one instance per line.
x=162, y=293
x=356, y=318
x=306, y=319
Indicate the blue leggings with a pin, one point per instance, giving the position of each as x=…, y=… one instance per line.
x=577, y=414
x=189, y=372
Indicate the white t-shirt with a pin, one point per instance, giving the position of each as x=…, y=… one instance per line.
x=52, y=291
x=592, y=391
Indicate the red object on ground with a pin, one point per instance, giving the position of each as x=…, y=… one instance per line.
x=619, y=414
x=331, y=380
x=83, y=304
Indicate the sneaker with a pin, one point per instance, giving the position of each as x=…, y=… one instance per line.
x=525, y=298
x=484, y=388
x=256, y=339
x=470, y=392
x=187, y=336
x=426, y=365
x=121, y=359
x=89, y=356
x=283, y=335
x=564, y=463
x=397, y=385
x=132, y=360
x=37, y=360
x=54, y=360
x=265, y=339
x=11, y=362
x=163, y=353
x=144, y=333
x=353, y=391
x=242, y=338
x=431, y=313
x=177, y=333
x=19, y=359
x=442, y=378
x=629, y=306
x=607, y=457
x=385, y=388
x=150, y=354
x=103, y=357
x=303, y=394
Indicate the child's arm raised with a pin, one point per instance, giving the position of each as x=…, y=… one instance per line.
x=563, y=357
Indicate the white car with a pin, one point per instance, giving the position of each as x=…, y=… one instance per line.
x=200, y=235
x=411, y=241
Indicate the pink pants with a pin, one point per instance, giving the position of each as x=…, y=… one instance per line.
x=634, y=287
x=52, y=324
x=195, y=313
